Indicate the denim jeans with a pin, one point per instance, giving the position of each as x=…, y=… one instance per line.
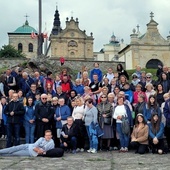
x=13, y=128
x=88, y=133
x=93, y=140
x=29, y=132
x=124, y=139
x=20, y=150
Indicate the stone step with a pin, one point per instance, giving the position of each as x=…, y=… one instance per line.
x=3, y=142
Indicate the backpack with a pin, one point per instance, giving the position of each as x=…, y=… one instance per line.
x=125, y=125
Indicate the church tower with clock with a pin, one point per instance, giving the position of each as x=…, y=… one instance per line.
x=71, y=42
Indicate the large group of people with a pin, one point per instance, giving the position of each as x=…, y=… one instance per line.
x=96, y=111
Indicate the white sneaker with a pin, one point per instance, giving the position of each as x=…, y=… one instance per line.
x=89, y=150
x=94, y=151
x=3, y=136
x=81, y=150
x=125, y=149
x=121, y=149
x=78, y=150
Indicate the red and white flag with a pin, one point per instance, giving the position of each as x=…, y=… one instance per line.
x=33, y=35
x=45, y=35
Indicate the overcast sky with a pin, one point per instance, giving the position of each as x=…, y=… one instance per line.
x=102, y=17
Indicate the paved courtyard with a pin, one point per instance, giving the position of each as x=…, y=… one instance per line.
x=85, y=161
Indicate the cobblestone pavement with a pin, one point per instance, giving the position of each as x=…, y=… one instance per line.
x=85, y=161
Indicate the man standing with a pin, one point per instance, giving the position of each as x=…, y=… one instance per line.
x=25, y=82
x=95, y=87
x=166, y=112
x=14, y=111
x=44, y=113
x=40, y=147
x=10, y=81
x=97, y=71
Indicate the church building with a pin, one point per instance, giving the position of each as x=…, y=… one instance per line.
x=21, y=39
x=71, y=42
x=146, y=50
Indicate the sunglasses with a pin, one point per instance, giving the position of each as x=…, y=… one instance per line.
x=135, y=77
x=148, y=77
x=44, y=98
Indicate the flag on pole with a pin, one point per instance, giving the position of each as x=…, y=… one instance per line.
x=45, y=35
x=33, y=35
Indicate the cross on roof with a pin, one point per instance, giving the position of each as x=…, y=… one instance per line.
x=151, y=15
x=26, y=16
x=71, y=13
x=56, y=5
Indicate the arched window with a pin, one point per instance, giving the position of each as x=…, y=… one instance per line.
x=153, y=63
x=72, y=43
x=30, y=47
x=20, y=47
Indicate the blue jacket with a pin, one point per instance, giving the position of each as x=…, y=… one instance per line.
x=29, y=113
x=94, y=129
x=26, y=84
x=4, y=116
x=98, y=72
x=79, y=89
x=166, y=112
x=129, y=95
x=147, y=112
x=129, y=114
x=64, y=112
x=159, y=134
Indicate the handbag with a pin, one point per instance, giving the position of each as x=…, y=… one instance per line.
x=125, y=125
x=107, y=120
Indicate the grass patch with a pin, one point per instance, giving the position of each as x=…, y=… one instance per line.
x=96, y=159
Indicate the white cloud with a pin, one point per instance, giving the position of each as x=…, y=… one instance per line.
x=102, y=17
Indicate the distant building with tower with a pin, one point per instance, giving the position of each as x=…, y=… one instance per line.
x=21, y=39
x=110, y=51
x=71, y=42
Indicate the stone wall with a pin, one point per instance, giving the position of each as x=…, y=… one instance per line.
x=77, y=65
x=10, y=63
x=54, y=64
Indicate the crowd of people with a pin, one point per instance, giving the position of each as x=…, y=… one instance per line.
x=96, y=111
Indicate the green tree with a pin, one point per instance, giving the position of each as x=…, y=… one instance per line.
x=8, y=51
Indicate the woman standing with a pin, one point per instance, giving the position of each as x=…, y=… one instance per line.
x=137, y=92
x=91, y=114
x=139, y=136
x=159, y=95
x=122, y=110
x=121, y=71
x=105, y=112
x=29, y=120
x=150, y=108
x=156, y=131
x=149, y=90
x=78, y=116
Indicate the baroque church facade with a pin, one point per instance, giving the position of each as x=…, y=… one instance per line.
x=71, y=42
x=146, y=50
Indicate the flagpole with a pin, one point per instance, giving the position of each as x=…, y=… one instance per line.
x=40, y=38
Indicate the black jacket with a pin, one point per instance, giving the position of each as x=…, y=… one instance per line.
x=44, y=110
x=72, y=132
x=18, y=110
